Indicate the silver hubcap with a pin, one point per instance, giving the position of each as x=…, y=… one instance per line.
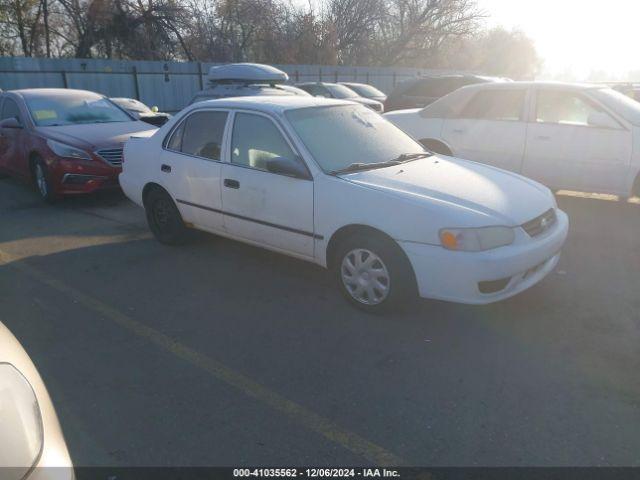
x=365, y=276
x=41, y=180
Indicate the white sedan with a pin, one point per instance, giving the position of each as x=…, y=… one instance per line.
x=576, y=137
x=334, y=183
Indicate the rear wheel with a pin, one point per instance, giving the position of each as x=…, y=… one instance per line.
x=42, y=181
x=164, y=219
x=373, y=273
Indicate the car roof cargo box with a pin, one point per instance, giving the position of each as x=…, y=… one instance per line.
x=245, y=73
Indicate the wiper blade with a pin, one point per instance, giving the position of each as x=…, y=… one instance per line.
x=408, y=157
x=358, y=167
x=400, y=159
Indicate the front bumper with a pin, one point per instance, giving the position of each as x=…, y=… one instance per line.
x=459, y=276
x=73, y=176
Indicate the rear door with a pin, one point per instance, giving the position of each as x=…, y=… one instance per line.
x=267, y=208
x=490, y=128
x=191, y=167
x=565, y=150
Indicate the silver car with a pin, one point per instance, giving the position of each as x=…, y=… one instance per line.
x=31, y=440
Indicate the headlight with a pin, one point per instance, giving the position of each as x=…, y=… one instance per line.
x=67, y=151
x=21, y=432
x=476, y=239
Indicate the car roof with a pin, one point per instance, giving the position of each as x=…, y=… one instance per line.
x=270, y=104
x=44, y=92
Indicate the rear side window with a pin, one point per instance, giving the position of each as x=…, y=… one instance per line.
x=200, y=134
x=10, y=110
x=501, y=105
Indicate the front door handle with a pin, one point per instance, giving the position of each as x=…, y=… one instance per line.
x=458, y=130
x=166, y=168
x=230, y=183
x=543, y=137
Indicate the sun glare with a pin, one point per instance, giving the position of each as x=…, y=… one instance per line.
x=577, y=40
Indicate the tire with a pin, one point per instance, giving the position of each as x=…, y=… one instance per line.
x=373, y=274
x=164, y=219
x=42, y=181
x=436, y=147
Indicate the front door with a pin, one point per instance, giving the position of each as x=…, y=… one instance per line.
x=490, y=128
x=191, y=167
x=12, y=140
x=266, y=208
x=566, y=150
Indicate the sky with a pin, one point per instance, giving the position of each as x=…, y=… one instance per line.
x=577, y=39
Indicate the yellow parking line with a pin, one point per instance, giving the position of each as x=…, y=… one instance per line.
x=314, y=422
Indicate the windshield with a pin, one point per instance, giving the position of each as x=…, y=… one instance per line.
x=131, y=104
x=67, y=109
x=358, y=135
x=340, y=91
x=627, y=107
x=366, y=91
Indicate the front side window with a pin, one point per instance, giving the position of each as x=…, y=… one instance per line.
x=340, y=135
x=563, y=108
x=256, y=140
x=200, y=134
x=10, y=110
x=501, y=105
x=73, y=109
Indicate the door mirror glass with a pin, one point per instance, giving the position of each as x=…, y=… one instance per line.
x=287, y=166
x=10, y=123
x=601, y=120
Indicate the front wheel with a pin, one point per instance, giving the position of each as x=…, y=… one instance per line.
x=164, y=219
x=373, y=274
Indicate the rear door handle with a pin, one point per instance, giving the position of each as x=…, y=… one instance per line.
x=166, y=168
x=543, y=137
x=230, y=183
x=458, y=130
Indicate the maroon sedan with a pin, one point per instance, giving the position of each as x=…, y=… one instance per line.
x=65, y=141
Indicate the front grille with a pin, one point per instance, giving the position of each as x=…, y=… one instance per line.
x=541, y=223
x=111, y=155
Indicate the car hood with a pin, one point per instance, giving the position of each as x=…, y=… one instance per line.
x=95, y=135
x=497, y=195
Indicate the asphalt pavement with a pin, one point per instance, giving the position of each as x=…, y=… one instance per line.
x=219, y=353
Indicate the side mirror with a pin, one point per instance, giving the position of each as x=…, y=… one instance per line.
x=601, y=120
x=10, y=123
x=287, y=166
